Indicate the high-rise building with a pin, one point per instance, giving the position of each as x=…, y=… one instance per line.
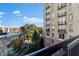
x=61, y=20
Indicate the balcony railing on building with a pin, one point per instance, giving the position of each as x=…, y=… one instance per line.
x=68, y=47
x=47, y=13
x=47, y=24
x=61, y=22
x=48, y=16
x=47, y=19
x=5, y=40
x=47, y=6
x=47, y=30
x=61, y=14
x=47, y=33
x=62, y=30
x=61, y=5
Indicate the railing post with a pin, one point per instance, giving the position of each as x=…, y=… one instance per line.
x=65, y=50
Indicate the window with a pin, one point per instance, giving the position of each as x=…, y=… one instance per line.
x=61, y=5
x=62, y=27
x=62, y=13
x=70, y=6
x=47, y=34
x=61, y=36
x=53, y=15
x=48, y=10
x=47, y=19
x=52, y=34
x=47, y=24
x=48, y=30
x=52, y=28
x=62, y=20
x=70, y=17
x=70, y=27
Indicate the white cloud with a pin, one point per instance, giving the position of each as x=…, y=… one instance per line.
x=17, y=12
x=1, y=13
x=36, y=21
x=32, y=20
x=25, y=17
x=14, y=26
x=0, y=16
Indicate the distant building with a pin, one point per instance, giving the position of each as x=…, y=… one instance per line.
x=3, y=28
x=14, y=30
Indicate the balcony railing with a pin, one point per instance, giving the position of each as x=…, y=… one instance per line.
x=48, y=19
x=47, y=30
x=61, y=30
x=47, y=13
x=61, y=22
x=48, y=6
x=61, y=5
x=68, y=47
x=61, y=14
x=5, y=41
x=47, y=24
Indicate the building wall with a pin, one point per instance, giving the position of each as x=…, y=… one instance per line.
x=14, y=30
x=3, y=46
x=71, y=17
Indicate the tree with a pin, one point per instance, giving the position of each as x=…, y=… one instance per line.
x=40, y=30
x=36, y=40
x=42, y=42
x=16, y=43
x=1, y=32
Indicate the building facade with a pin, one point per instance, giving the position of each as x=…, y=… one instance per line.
x=4, y=28
x=3, y=46
x=14, y=30
x=61, y=20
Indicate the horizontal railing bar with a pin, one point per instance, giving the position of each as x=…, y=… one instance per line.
x=72, y=44
x=52, y=49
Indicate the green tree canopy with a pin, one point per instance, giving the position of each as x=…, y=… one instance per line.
x=36, y=39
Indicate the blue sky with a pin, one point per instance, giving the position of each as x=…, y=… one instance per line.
x=15, y=15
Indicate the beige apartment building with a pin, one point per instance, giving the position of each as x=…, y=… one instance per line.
x=61, y=20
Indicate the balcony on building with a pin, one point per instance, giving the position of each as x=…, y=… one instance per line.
x=61, y=5
x=47, y=33
x=53, y=28
x=48, y=30
x=62, y=30
x=62, y=14
x=61, y=22
x=47, y=13
x=47, y=6
x=47, y=24
x=47, y=19
x=68, y=47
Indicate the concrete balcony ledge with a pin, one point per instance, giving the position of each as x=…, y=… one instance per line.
x=60, y=49
x=51, y=41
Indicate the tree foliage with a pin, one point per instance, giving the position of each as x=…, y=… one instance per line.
x=16, y=43
x=36, y=39
x=28, y=28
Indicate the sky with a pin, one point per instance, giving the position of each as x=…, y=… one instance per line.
x=19, y=14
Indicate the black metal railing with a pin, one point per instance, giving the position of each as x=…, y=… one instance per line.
x=62, y=30
x=61, y=5
x=61, y=14
x=68, y=47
